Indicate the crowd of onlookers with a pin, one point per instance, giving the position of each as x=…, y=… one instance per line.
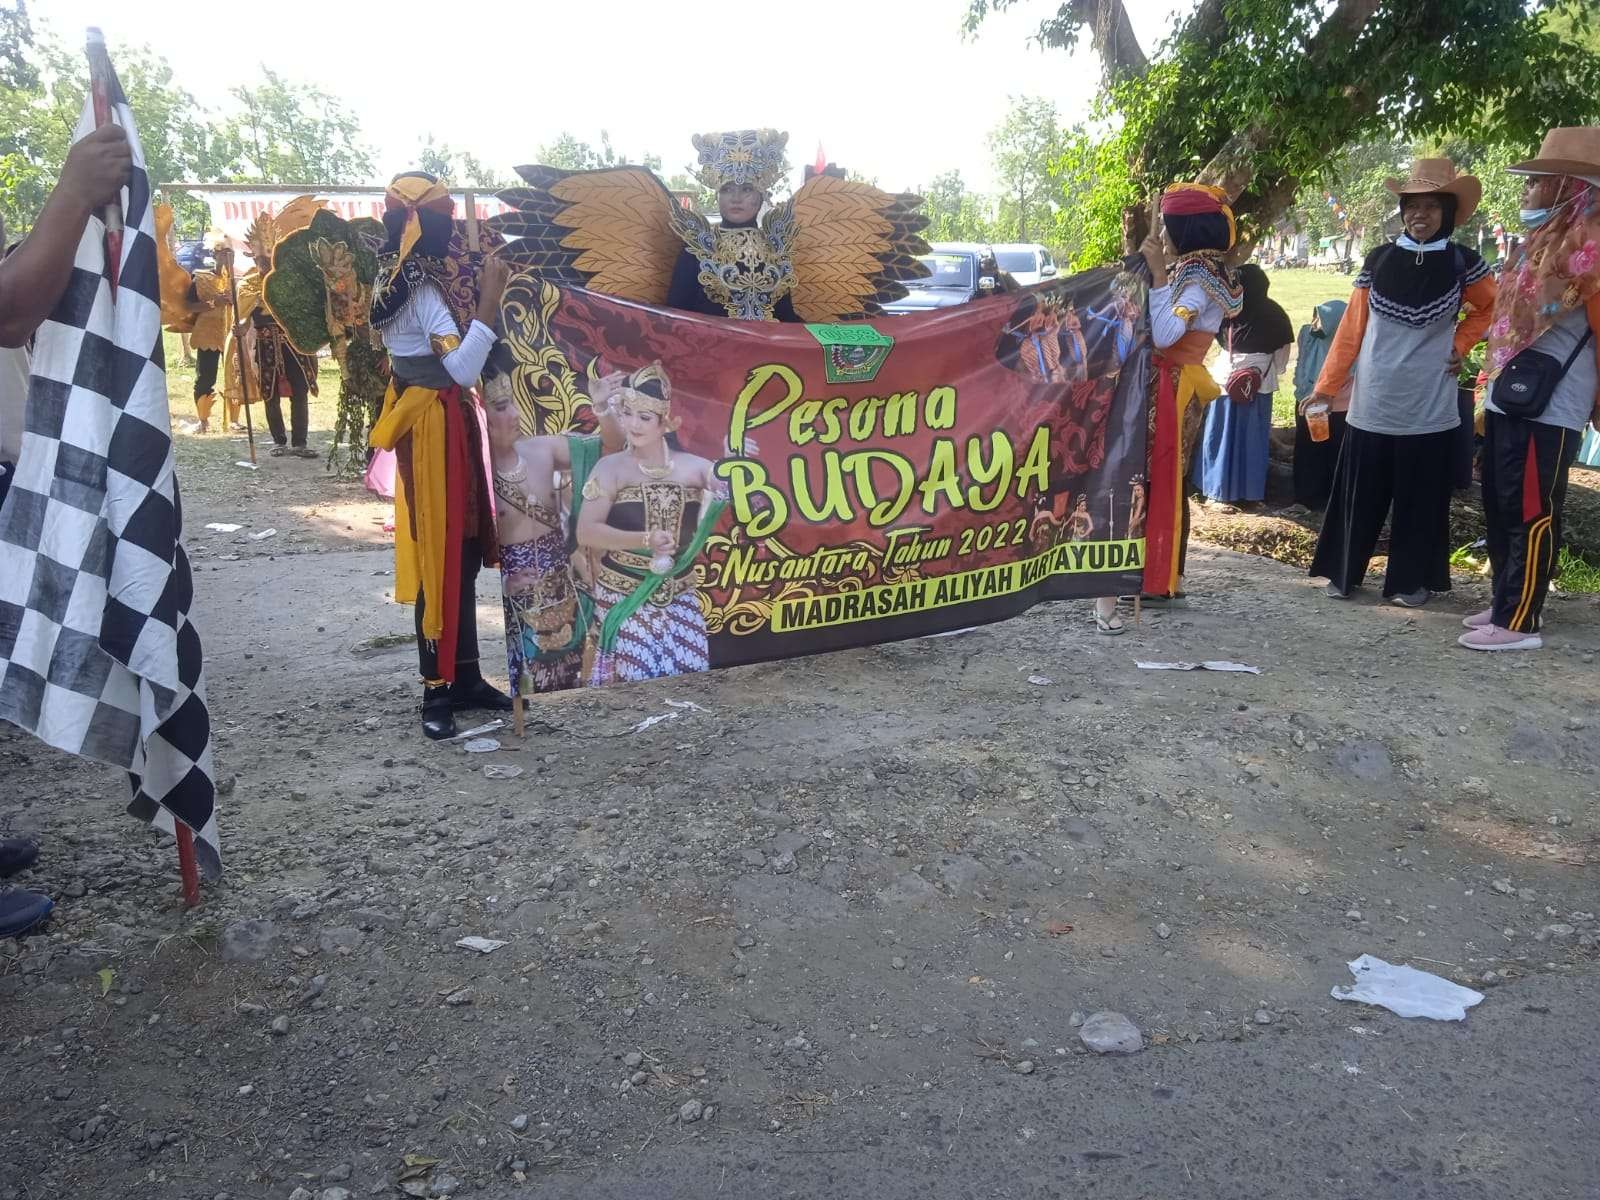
x=1384, y=431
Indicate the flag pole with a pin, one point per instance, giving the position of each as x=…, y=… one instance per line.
x=188, y=869
x=244, y=372
x=100, y=90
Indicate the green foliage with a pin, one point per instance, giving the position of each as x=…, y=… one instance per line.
x=296, y=133
x=1576, y=575
x=954, y=213
x=461, y=169
x=284, y=133
x=1096, y=185
x=16, y=36
x=1024, y=145
x=1266, y=94
x=362, y=383
x=40, y=107
x=296, y=291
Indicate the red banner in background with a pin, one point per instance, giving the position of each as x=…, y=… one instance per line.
x=806, y=488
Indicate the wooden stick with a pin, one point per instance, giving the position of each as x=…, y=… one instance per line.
x=188, y=870
x=474, y=242
x=244, y=371
x=100, y=75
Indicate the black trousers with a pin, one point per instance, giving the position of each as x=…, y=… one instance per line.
x=1525, y=466
x=206, y=363
x=1314, y=462
x=466, y=627
x=299, y=405
x=1404, y=478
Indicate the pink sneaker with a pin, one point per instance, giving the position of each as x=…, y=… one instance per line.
x=1492, y=637
x=1478, y=620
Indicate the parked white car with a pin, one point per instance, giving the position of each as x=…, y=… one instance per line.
x=1026, y=262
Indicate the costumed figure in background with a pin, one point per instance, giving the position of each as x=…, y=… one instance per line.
x=281, y=370
x=319, y=293
x=647, y=513
x=547, y=606
x=1188, y=304
x=444, y=520
x=196, y=305
x=835, y=250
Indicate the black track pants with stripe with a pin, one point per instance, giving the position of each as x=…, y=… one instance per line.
x=1525, y=467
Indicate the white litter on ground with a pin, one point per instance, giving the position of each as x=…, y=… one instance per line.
x=1406, y=991
x=1213, y=665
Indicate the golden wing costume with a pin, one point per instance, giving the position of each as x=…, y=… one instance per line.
x=836, y=250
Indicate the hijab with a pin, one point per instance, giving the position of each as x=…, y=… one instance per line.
x=1262, y=327
x=1420, y=285
x=1556, y=271
x=1315, y=339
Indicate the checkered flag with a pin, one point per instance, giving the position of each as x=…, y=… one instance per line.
x=98, y=656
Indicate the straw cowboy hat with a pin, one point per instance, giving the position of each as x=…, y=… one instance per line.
x=1571, y=151
x=1438, y=177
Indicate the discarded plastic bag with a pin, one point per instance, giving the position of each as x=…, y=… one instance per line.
x=1406, y=991
x=1213, y=665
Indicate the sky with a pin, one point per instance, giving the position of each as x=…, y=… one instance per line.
x=888, y=87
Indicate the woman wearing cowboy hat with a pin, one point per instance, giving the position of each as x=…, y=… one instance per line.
x=1401, y=342
x=1545, y=316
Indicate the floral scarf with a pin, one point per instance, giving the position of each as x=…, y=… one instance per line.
x=1557, y=270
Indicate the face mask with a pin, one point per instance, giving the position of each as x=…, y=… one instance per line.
x=1532, y=218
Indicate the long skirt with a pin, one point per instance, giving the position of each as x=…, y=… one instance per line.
x=1314, y=461
x=1402, y=478
x=657, y=641
x=1231, y=464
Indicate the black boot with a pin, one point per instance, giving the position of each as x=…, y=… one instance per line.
x=438, y=718
x=17, y=854
x=472, y=690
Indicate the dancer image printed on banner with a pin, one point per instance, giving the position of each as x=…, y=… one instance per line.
x=648, y=511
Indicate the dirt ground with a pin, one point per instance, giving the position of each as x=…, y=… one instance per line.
x=829, y=928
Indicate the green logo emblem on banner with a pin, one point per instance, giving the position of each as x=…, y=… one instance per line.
x=852, y=353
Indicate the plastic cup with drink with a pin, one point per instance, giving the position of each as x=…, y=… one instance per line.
x=1317, y=421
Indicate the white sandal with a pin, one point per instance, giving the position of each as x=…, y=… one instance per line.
x=1109, y=626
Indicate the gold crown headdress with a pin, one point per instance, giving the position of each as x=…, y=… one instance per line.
x=649, y=373
x=261, y=237
x=753, y=156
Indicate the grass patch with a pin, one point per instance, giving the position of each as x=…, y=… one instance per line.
x=1299, y=292
x=1577, y=575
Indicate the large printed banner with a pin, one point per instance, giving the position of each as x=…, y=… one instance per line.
x=234, y=208
x=760, y=491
